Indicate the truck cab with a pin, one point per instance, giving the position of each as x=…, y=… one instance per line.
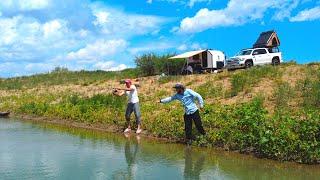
x=255, y=56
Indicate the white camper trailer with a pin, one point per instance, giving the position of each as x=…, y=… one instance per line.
x=203, y=60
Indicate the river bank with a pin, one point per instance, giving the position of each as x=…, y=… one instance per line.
x=46, y=151
x=271, y=112
x=98, y=127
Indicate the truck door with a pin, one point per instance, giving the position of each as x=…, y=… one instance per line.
x=260, y=56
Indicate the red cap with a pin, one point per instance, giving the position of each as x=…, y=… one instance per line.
x=127, y=81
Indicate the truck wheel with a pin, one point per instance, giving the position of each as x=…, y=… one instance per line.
x=275, y=61
x=248, y=64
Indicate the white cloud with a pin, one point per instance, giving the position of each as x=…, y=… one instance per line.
x=24, y=5
x=8, y=30
x=55, y=28
x=193, y=2
x=182, y=47
x=151, y=47
x=25, y=38
x=307, y=15
x=109, y=66
x=43, y=67
x=98, y=50
x=33, y=4
x=286, y=9
x=70, y=34
x=189, y=3
x=122, y=24
x=101, y=18
x=191, y=46
x=237, y=12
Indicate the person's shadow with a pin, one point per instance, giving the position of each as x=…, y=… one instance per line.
x=192, y=169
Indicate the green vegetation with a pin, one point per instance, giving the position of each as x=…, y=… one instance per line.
x=99, y=108
x=279, y=120
x=152, y=64
x=61, y=76
x=210, y=89
x=246, y=79
x=310, y=89
x=166, y=79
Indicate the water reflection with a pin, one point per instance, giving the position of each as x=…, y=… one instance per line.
x=193, y=164
x=131, y=148
x=57, y=152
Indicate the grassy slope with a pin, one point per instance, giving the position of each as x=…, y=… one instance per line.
x=270, y=111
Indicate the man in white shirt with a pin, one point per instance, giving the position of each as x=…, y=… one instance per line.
x=133, y=104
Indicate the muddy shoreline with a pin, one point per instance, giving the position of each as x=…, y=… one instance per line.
x=99, y=127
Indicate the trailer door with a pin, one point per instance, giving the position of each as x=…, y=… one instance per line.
x=204, y=60
x=210, y=60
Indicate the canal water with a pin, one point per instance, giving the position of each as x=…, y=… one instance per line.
x=46, y=151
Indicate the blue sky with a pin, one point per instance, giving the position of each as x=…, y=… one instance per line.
x=38, y=35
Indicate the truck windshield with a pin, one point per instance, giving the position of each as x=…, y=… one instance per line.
x=244, y=52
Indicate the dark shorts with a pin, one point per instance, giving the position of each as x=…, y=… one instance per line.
x=135, y=108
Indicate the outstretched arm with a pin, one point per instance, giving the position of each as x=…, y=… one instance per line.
x=118, y=92
x=125, y=89
x=168, y=99
x=198, y=97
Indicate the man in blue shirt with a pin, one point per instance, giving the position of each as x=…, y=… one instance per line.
x=187, y=98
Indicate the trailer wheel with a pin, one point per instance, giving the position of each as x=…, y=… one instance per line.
x=248, y=64
x=275, y=61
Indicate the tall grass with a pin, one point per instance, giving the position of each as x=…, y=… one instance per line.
x=244, y=80
x=211, y=89
x=99, y=108
x=283, y=94
x=310, y=89
x=62, y=77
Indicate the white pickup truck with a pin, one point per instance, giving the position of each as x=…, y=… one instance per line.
x=252, y=57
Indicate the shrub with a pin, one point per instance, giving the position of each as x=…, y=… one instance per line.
x=152, y=64
x=77, y=108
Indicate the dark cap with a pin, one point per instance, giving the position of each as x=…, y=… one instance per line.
x=179, y=86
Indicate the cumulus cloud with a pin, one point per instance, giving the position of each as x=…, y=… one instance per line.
x=307, y=15
x=118, y=23
x=24, y=5
x=151, y=47
x=285, y=10
x=237, y=12
x=110, y=66
x=193, y=2
x=191, y=46
x=189, y=3
x=80, y=36
x=25, y=38
x=98, y=50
